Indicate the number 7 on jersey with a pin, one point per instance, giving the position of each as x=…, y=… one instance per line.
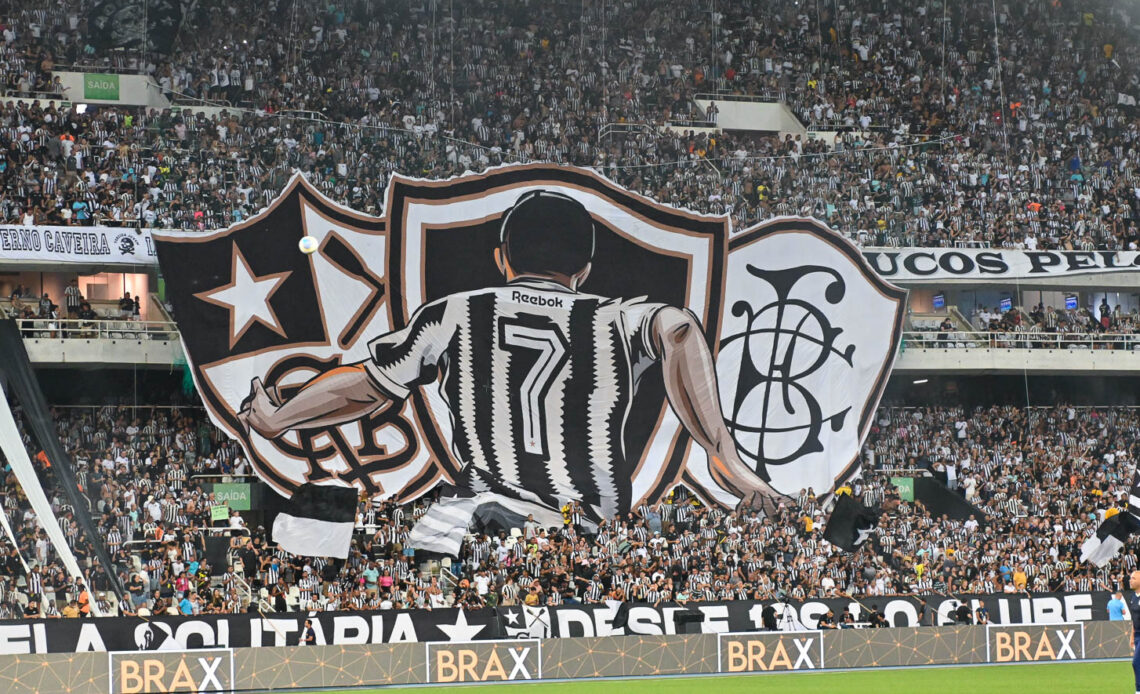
x=548, y=347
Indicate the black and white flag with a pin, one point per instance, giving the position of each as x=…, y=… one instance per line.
x=317, y=521
x=1114, y=531
x=526, y=621
x=1109, y=539
x=850, y=524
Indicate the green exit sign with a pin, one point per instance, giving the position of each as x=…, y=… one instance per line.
x=99, y=86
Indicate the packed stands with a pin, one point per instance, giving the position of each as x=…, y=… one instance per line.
x=925, y=136
x=917, y=135
x=1041, y=477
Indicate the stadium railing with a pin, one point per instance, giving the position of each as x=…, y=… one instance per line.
x=9, y=94
x=768, y=98
x=223, y=477
x=614, y=128
x=153, y=543
x=1021, y=340
x=682, y=123
x=97, y=329
x=101, y=69
x=94, y=408
x=903, y=471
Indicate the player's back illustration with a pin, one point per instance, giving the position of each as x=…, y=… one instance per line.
x=538, y=379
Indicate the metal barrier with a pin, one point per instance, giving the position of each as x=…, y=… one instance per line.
x=98, y=329
x=102, y=69
x=245, y=594
x=613, y=128
x=766, y=98
x=15, y=94
x=167, y=540
x=959, y=339
x=94, y=408
x=904, y=471
x=682, y=123
x=223, y=477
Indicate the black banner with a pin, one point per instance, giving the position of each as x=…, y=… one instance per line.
x=130, y=24
x=402, y=626
x=26, y=388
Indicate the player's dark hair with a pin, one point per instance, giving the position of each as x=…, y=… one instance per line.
x=546, y=232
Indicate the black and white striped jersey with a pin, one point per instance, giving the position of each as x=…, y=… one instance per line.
x=538, y=380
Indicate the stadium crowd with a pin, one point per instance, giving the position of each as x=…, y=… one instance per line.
x=1034, y=327
x=1041, y=480
x=919, y=135
x=927, y=137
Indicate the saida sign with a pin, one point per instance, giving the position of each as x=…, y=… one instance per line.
x=235, y=495
x=99, y=86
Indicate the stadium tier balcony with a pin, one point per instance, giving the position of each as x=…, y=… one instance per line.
x=56, y=342
x=103, y=336
x=970, y=352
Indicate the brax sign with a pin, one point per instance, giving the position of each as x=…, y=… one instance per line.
x=1033, y=643
x=484, y=661
x=172, y=671
x=771, y=651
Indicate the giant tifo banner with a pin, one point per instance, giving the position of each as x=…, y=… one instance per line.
x=531, y=336
x=453, y=625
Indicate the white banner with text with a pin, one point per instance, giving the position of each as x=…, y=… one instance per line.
x=76, y=244
x=911, y=265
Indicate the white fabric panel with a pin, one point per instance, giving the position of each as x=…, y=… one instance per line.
x=311, y=537
x=21, y=464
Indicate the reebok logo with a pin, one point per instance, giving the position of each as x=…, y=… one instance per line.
x=537, y=299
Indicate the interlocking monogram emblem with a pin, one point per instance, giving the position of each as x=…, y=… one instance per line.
x=785, y=341
x=807, y=339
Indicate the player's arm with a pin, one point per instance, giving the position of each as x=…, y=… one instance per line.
x=341, y=395
x=400, y=360
x=690, y=384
